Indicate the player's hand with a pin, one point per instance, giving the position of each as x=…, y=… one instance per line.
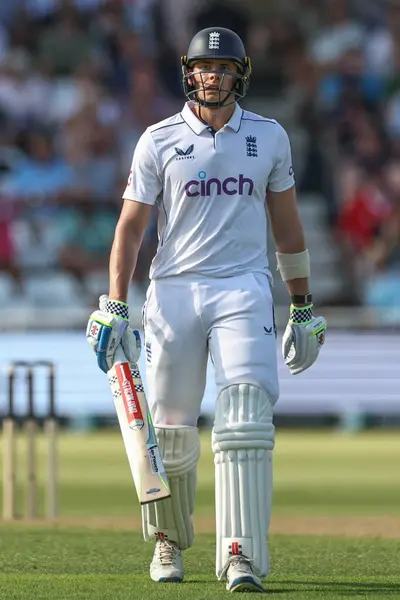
x=303, y=338
x=107, y=329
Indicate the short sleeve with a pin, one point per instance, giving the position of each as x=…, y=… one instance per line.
x=282, y=176
x=144, y=182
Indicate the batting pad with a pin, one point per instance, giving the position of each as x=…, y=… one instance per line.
x=242, y=442
x=180, y=451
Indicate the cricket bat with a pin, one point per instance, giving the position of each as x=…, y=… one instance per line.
x=137, y=430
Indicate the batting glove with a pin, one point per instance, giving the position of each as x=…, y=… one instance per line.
x=107, y=329
x=303, y=338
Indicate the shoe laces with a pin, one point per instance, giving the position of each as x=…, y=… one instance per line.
x=240, y=562
x=167, y=552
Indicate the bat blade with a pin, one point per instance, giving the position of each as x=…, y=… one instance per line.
x=138, y=433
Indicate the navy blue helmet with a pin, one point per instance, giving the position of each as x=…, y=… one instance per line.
x=217, y=43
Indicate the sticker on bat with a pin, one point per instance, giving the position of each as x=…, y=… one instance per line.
x=153, y=491
x=129, y=396
x=155, y=460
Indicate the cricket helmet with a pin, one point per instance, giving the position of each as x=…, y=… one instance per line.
x=216, y=43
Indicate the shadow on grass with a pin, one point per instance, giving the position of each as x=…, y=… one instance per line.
x=222, y=584
x=348, y=588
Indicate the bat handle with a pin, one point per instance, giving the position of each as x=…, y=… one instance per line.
x=120, y=355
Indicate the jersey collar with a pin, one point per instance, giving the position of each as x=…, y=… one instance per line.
x=199, y=126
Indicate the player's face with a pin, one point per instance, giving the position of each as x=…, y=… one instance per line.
x=214, y=79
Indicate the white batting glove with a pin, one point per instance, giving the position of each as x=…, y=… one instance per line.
x=303, y=338
x=107, y=329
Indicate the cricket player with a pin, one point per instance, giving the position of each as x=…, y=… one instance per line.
x=218, y=174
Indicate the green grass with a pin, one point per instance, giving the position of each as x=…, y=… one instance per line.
x=318, y=473
x=315, y=474
x=337, y=474
x=57, y=563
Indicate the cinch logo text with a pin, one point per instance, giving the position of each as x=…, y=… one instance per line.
x=231, y=186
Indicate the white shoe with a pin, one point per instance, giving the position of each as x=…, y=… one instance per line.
x=240, y=576
x=166, y=565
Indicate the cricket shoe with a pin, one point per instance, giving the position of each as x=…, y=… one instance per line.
x=166, y=565
x=240, y=576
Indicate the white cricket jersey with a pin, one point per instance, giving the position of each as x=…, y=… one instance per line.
x=211, y=190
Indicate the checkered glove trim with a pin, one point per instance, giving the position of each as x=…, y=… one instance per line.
x=118, y=309
x=301, y=315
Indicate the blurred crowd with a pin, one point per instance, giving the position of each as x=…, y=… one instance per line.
x=80, y=80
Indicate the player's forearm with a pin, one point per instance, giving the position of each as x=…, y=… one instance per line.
x=289, y=236
x=298, y=287
x=123, y=260
x=291, y=248
x=293, y=261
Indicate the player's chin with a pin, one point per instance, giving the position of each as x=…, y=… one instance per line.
x=211, y=93
x=214, y=95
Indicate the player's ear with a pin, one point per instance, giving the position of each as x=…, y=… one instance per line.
x=186, y=70
x=190, y=79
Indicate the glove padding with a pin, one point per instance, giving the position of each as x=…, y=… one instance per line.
x=303, y=338
x=107, y=329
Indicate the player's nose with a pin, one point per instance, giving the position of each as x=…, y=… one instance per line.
x=214, y=76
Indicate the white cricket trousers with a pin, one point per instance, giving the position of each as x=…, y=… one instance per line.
x=186, y=320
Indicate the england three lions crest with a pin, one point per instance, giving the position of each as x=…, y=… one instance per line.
x=251, y=146
x=213, y=40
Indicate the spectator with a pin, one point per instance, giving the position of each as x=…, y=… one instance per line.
x=42, y=175
x=339, y=34
x=220, y=13
x=93, y=162
x=72, y=95
x=350, y=82
x=8, y=261
x=80, y=80
x=383, y=255
x=65, y=45
x=381, y=45
x=279, y=41
x=85, y=232
x=363, y=211
x=23, y=95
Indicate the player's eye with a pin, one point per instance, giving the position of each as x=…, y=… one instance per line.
x=203, y=67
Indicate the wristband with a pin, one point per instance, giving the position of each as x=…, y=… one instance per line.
x=118, y=309
x=301, y=315
x=301, y=299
